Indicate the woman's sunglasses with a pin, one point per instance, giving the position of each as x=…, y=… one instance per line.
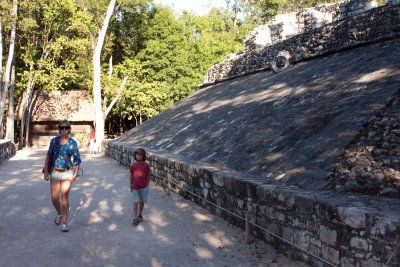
x=64, y=128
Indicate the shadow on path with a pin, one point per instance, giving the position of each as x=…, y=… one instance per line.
x=175, y=232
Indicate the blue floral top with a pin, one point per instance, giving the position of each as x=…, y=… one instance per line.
x=64, y=156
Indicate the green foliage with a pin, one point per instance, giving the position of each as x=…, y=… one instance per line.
x=81, y=137
x=261, y=11
x=53, y=44
x=144, y=100
x=164, y=56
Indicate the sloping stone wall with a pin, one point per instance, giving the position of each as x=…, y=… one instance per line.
x=353, y=30
x=342, y=229
x=7, y=149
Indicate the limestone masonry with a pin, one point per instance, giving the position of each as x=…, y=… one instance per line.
x=311, y=33
x=311, y=153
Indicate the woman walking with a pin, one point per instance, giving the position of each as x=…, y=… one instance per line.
x=62, y=167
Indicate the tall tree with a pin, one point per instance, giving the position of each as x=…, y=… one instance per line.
x=8, y=65
x=10, y=116
x=53, y=51
x=1, y=60
x=99, y=116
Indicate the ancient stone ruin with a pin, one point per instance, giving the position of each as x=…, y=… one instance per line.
x=310, y=33
x=309, y=155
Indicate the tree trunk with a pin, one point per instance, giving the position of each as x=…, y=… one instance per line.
x=121, y=88
x=10, y=117
x=8, y=65
x=25, y=116
x=28, y=120
x=1, y=60
x=97, y=77
x=105, y=98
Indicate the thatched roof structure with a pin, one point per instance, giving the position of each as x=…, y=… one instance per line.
x=55, y=106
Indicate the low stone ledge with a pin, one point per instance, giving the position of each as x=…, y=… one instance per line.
x=342, y=228
x=7, y=149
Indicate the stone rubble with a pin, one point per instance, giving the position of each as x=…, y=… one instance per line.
x=371, y=163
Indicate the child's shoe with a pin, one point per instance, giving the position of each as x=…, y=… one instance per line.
x=135, y=222
x=140, y=218
x=64, y=228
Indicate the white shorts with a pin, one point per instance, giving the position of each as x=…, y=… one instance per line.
x=59, y=176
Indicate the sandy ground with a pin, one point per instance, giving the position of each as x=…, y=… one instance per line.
x=175, y=232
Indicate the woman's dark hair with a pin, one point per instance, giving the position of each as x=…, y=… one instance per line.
x=140, y=151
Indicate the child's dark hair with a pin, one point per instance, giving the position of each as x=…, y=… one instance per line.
x=140, y=151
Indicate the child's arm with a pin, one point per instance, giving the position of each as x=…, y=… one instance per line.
x=130, y=177
x=148, y=175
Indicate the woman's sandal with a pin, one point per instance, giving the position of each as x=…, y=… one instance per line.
x=57, y=220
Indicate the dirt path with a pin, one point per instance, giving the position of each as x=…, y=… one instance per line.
x=175, y=232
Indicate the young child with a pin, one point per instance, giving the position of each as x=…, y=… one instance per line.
x=140, y=178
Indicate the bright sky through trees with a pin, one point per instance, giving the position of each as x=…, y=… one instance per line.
x=200, y=7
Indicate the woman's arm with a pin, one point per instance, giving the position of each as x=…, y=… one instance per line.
x=48, y=161
x=76, y=171
x=46, y=171
x=77, y=160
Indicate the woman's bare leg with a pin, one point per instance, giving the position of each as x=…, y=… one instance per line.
x=65, y=187
x=55, y=189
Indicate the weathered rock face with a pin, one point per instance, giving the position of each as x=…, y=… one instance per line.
x=7, y=149
x=284, y=128
x=264, y=145
x=371, y=164
x=304, y=38
x=284, y=26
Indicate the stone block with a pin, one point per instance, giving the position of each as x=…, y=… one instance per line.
x=301, y=239
x=327, y=235
x=316, y=242
x=346, y=262
x=265, y=192
x=219, y=179
x=191, y=170
x=331, y=255
x=382, y=226
x=280, y=217
x=353, y=216
x=305, y=204
x=288, y=234
x=359, y=243
x=312, y=225
x=287, y=199
x=372, y=263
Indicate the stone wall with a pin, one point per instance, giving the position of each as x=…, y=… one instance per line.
x=284, y=26
x=7, y=149
x=352, y=26
x=342, y=229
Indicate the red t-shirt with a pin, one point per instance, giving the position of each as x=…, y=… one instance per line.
x=140, y=175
